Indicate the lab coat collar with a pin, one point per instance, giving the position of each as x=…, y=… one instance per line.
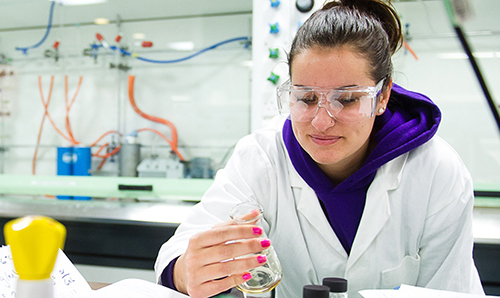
x=308, y=205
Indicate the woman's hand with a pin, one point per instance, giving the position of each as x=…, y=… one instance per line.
x=208, y=266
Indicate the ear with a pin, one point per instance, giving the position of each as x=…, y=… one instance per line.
x=384, y=99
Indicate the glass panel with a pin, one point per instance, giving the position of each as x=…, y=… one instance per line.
x=444, y=73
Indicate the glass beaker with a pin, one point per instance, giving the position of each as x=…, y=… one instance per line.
x=266, y=277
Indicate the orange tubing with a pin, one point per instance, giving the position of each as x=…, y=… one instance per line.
x=107, y=154
x=72, y=140
x=68, y=107
x=105, y=134
x=101, y=164
x=33, y=166
x=46, y=107
x=104, y=157
x=163, y=137
x=100, y=149
x=407, y=46
x=173, y=142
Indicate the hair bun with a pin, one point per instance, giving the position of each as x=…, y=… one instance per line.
x=381, y=10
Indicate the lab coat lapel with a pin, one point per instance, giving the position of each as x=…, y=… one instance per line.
x=377, y=207
x=308, y=205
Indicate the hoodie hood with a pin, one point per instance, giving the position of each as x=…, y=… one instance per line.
x=411, y=120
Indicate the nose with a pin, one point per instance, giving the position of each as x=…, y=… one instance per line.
x=322, y=120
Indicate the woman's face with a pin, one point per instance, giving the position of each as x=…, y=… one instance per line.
x=334, y=145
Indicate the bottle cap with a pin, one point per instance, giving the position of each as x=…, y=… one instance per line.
x=336, y=284
x=34, y=241
x=315, y=291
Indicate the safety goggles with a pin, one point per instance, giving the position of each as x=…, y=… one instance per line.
x=342, y=104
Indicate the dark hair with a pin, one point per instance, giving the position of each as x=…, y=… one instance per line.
x=369, y=27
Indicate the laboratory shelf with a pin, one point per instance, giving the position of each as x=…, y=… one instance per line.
x=487, y=202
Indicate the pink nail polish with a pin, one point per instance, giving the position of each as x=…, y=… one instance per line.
x=257, y=231
x=247, y=276
x=265, y=243
x=261, y=259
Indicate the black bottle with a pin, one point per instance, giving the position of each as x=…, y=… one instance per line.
x=315, y=291
x=337, y=286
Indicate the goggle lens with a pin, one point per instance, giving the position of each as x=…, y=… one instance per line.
x=343, y=104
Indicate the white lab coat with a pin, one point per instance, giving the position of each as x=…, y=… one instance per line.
x=416, y=227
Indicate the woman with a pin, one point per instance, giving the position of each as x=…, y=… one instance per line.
x=354, y=183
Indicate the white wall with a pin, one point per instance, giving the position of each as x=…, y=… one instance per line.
x=207, y=97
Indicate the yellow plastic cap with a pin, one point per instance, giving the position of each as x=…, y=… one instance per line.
x=35, y=242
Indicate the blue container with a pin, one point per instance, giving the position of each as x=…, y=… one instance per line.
x=82, y=161
x=65, y=165
x=81, y=165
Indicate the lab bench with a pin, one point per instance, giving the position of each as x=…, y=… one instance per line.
x=128, y=234
x=487, y=242
x=125, y=234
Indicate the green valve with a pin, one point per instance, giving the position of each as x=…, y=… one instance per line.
x=274, y=53
x=274, y=28
x=273, y=78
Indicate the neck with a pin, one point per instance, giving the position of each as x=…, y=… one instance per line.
x=338, y=172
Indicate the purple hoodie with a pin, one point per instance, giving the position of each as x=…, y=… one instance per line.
x=410, y=120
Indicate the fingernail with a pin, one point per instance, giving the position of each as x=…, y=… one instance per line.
x=265, y=243
x=261, y=259
x=247, y=276
x=256, y=213
x=257, y=231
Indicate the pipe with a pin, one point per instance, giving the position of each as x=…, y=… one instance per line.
x=25, y=49
x=134, y=55
x=33, y=165
x=173, y=142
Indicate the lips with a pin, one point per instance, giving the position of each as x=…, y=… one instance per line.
x=324, y=140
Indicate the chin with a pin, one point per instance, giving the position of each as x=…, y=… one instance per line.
x=325, y=161
x=325, y=158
